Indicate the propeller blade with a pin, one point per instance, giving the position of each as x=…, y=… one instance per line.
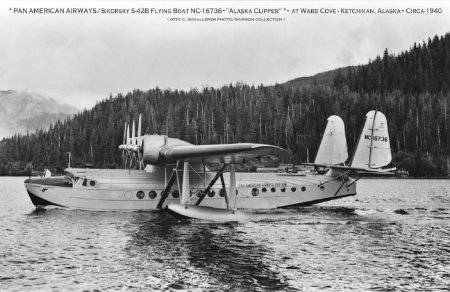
x=128, y=134
x=141, y=163
x=125, y=133
x=139, y=140
x=140, y=125
x=123, y=158
x=133, y=137
x=131, y=160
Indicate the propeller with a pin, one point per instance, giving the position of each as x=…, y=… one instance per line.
x=132, y=146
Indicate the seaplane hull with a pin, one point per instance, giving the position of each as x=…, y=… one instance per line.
x=139, y=190
x=184, y=178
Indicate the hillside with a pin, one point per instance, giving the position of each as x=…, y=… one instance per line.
x=325, y=78
x=423, y=68
x=24, y=111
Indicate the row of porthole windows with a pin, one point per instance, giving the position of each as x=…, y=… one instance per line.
x=255, y=191
x=199, y=193
x=176, y=194
x=141, y=194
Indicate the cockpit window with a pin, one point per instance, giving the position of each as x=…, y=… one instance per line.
x=84, y=182
x=69, y=174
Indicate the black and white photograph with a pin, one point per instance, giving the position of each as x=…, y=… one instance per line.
x=224, y=145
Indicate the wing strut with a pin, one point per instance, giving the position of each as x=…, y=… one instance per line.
x=186, y=189
x=169, y=185
x=213, y=181
x=224, y=189
x=233, y=195
x=185, y=210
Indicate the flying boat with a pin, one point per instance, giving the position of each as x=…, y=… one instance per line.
x=204, y=181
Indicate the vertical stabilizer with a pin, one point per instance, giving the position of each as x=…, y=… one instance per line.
x=333, y=148
x=373, y=150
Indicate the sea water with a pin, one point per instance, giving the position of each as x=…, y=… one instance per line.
x=394, y=235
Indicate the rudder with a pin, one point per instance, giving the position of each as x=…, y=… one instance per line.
x=333, y=148
x=373, y=149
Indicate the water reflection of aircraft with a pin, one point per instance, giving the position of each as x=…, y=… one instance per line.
x=212, y=256
x=182, y=177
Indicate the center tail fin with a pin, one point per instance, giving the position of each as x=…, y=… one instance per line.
x=373, y=150
x=333, y=148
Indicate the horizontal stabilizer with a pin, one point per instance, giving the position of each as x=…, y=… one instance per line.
x=208, y=213
x=354, y=169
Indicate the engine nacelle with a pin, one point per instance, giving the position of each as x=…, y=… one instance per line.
x=151, y=146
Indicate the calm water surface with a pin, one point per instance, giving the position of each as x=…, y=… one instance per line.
x=394, y=235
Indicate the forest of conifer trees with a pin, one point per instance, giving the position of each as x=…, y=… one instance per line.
x=411, y=89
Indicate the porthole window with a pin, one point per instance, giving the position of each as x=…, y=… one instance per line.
x=303, y=189
x=322, y=188
x=128, y=195
x=255, y=192
x=283, y=190
x=293, y=189
x=140, y=195
x=199, y=193
x=152, y=194
x=176, y=194
x=84, y=182
x=264, y=190
x=211, y=194
x=273, y=190
x=92, y=183
x=222, y=193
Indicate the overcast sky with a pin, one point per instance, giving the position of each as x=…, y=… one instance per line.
x=80, y=59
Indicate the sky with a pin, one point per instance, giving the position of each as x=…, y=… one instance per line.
x=80, y=59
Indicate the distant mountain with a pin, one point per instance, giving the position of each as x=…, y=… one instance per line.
x=21, y=111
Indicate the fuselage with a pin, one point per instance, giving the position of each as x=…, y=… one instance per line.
x=134, y=190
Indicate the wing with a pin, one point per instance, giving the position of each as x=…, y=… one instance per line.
x=247, y=154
